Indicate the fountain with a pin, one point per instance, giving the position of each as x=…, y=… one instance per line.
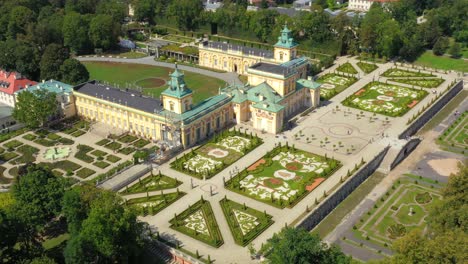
x=411, y=212
x=56, y=153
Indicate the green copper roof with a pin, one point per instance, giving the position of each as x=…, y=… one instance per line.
x=263, y=96
x=177, y=87
x=275, y=108
x=286, y=40
x=201, y=109
x=303, y=83
x=51, y=86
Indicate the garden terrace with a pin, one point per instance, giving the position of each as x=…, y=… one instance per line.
x=399, y=211
x=367, y=67
x=199, y=222
x=387, y=99
x=244, y=222
x=151, y=205
x=397, y=72
x=283, y=177
x=47, y=139
x=154, y=182
x=333, y=84
x=347, y=68
x=425, y=83
x=219, y=152
x=6, y=136
x=455, y=137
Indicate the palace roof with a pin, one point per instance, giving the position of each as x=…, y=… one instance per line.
x=177, y=87
x=245, y=50
x=263, y=96
x=11, y=82
x=127, y=98
x=286, y=40
x=271, y=68
x=51, y=86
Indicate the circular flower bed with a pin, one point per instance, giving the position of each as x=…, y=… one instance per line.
x=294, y=166
x=396, y=231
x=284, y=174
x=273, y=183
x=423, y=198
x=218, y=153
x=378, y=102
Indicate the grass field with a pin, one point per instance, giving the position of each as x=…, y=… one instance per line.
x=127, y=73
x=428, y=59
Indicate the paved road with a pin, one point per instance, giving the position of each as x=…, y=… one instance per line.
x=229, y=77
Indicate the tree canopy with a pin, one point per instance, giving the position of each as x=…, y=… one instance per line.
x=296, y=245
x=34, y=108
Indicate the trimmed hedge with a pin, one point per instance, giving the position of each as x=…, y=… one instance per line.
x=264, y=219
x=82, y=153
x=167, y=199
x=141, y=186
x=215, y=239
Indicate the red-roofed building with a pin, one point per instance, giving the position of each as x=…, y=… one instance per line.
x=11, y=82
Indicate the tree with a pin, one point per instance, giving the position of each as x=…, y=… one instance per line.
x=186, y=13
x=140, y=155
x=8, y=237
x=35, y=108
x=455, y=50
x=111, y=230
x=51, y=61
x=440, y=46
x=75, y=32
x=73, y=72
x=20, y=19
x=38, y=195
x=103, y=32
x=296, y=245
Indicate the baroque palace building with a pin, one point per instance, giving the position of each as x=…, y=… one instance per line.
x=277, y=89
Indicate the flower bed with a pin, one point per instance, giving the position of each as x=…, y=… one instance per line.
x=221, y=151
x=82, y=153
x=199, y=222
x=426, y=83
x=386, y=99
x=244, y=222
x=347, y=68
x=396, y=72
x=154, y=182
x=84, y=173
x=367, y=67
x=273, y=183
x=154, y=204
x=333, y=84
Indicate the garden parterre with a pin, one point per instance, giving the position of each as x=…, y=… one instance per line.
x=425, y=83
x=386, y=99
x=397, y=72
x=333, y=84
x=455, y=137
x=283, y=176
x=400, y=211
x=221, y=151
x=151, y=205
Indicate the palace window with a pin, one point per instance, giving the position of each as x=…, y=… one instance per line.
x=281, y=56
x=216, y=62
x=171, y=106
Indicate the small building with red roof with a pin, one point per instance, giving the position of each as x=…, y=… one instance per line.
x=10, y=83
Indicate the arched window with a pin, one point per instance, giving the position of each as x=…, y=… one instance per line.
x=171, y=106
x=281, y=55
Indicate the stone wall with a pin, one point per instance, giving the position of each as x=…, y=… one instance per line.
x=405, y=151
x=434, y=109
x=326, y=206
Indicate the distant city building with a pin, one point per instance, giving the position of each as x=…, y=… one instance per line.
x=212, y=5
x=11, y=82
x=364, y=5
x=302, y=4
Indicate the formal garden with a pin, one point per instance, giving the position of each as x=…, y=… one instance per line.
x=73, y=126
x=153, y=204
x=244, y=222
x=367, y=67
x=333, y=84
x=124, y=144
x=398, y=72
x=152, y=182
x=47, y=139
x=387, y=99
x=455, y=137
x=347, y=68
x=403, y=208
x=283, y=176
x=199, y=222
x=425, y=82
x=219, y=152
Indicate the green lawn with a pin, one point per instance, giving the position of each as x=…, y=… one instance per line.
x=347, y=68
x=455, y=137
x=347, y=205
x=428, y=59
x=151, y=205
x=126, y=73
x=6, y=199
